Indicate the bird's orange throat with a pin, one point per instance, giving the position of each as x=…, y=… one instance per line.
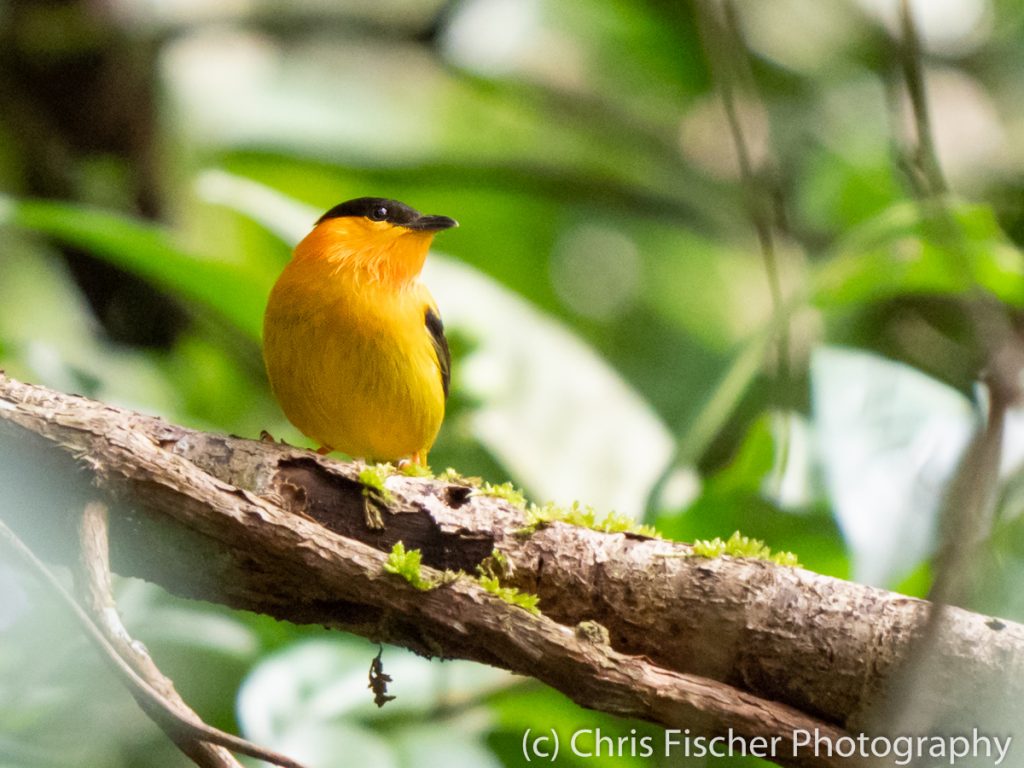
x=384, y=254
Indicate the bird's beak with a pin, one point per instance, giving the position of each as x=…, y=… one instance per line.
x=432, y=223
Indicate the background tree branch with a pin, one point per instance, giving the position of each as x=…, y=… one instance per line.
x=691, y=642
x=153, y=692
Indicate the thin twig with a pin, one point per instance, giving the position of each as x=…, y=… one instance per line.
x=156, y=704
x=925, y=156
x=92, y=578
x=966, y=517
x=758, y=198
x=970, y=493
x=967, y=513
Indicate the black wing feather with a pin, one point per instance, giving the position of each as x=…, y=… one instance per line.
x=444, y=355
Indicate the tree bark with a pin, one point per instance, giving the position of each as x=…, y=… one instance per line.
x=704, y=644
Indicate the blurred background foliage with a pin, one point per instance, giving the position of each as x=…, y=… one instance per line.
x=606, y=296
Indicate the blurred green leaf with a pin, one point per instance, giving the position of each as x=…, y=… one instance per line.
x=445, y=744
x=189, y=624
x=542, y=710
x=716, y=291
x=309, y=697
x=219, y=390
x=47, y=671
x=53, y=338
x=917, y=582
x=909, y=250
x=736, y=498
x=150, y=251
x=842, y=193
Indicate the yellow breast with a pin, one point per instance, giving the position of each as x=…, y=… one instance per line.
x=351, y=361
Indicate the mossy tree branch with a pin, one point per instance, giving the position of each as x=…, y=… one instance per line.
x=690, y=642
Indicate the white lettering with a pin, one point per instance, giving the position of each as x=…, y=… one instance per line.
x=572, y=744
x=1003, y=749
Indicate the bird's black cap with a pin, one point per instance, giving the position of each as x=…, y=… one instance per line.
x=392, y=211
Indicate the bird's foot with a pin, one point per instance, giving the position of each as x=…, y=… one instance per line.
x=266, y=437
x=415, y=465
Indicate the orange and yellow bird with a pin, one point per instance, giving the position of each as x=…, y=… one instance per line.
x=353, y=341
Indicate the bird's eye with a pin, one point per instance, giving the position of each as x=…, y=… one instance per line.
x=380, y=213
